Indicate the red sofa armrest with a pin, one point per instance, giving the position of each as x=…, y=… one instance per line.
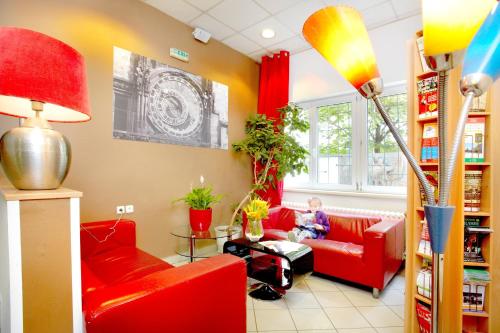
x=383, y=250
x=205, y=296
x=93, y=234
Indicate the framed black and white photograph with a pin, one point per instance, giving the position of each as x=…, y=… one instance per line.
x=155, y=102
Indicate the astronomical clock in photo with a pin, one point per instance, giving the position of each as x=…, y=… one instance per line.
x=155, y=102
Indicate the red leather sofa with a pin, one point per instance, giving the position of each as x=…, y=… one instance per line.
x=363, y=249
x=126, y=290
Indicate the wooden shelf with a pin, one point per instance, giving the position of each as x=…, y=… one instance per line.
x=423, y=299
x=477, y=214
x=477, y=163
x=428, y=163
x=466, y=163
x=476, y=264
x=421, y=209
x=452, y=317
x=476, y=314
x=425, y=120
x=466, y=263
x=479, y=114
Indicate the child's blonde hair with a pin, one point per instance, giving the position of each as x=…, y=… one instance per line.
x=315, y=199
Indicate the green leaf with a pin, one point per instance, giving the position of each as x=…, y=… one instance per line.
x=200, y=198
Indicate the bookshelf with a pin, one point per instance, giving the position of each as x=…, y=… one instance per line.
x=452, y=313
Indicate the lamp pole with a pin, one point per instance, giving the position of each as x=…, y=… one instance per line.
x=337, y=31
x=438, y=216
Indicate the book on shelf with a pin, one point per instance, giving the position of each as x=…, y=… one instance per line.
x=472, y=221
x=420, y=47
x=474, y=139
x=476, y=276
x=432, y=177
x=424, y=282
x=479, y=276
x=472, y=247
x=424, y=246
x=472, y=190
x=427, y=90
x=474, y=289
x=424, y=315
x=473, y=297
x=430, y=143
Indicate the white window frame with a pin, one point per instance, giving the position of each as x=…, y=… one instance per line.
x=359, y=123
x=394, y=89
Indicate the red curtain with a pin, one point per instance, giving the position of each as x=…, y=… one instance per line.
x=273, y=94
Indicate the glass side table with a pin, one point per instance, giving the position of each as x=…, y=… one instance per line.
x=200, y=237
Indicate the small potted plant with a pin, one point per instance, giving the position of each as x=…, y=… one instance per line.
x=256, y=210
x=200, y=201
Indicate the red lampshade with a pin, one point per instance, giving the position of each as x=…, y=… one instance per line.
x=34, y=66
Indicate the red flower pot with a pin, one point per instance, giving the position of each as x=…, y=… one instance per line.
x=200, y=219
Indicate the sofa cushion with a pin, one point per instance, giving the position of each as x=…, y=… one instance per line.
x=287, y=219
x=275, y=234
x=335, y=248
x=123, y=264
x=350, y=228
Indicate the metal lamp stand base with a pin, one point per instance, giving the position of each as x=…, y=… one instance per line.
x=265, y=292
x=34, y=156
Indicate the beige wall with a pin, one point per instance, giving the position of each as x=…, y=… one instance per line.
x=148, y=175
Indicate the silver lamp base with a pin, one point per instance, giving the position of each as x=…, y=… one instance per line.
x=34, y=156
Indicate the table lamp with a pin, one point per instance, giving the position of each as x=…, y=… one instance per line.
x=338, y=33
x=41, y=80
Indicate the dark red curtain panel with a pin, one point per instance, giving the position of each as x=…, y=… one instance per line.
x=273, y=94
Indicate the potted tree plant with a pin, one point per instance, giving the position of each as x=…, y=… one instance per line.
x=272, y=145
x=200, y=201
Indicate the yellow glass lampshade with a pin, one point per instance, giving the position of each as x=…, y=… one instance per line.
x=339, y=34
x=450, y=25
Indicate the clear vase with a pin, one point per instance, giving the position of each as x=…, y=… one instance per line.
x=254, y=230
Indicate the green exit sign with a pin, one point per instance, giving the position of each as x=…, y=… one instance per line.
x=179, y=54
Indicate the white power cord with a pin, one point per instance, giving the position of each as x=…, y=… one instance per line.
x=113, y=230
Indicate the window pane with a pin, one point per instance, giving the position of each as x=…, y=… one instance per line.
x=303, y=140
x=335, y=144
x=386, y=163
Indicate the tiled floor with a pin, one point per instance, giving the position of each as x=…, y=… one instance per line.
x=320, y=305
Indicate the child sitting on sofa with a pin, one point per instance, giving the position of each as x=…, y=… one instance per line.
x=313, y=224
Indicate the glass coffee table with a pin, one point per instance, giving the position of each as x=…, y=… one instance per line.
x=201, y=238
x=272, y=262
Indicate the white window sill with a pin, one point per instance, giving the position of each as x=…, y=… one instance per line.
x=346, y=193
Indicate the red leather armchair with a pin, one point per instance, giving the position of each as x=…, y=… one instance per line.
x=126, y=290
x=363, y=249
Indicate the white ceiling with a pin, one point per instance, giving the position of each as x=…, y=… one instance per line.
x=239, y=23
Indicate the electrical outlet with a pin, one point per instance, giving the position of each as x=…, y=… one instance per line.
x=120, y=209
x=129, y=209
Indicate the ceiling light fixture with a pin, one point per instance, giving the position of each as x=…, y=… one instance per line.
x=268, y=33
